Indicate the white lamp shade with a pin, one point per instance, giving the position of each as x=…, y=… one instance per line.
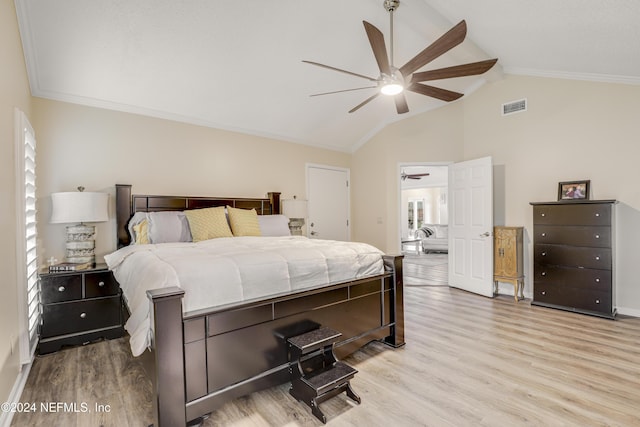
x=79, y=206
x=294, y=208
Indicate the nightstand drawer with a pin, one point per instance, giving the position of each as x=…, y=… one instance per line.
x=70, y=317
x=61, y=287
x=100, y=285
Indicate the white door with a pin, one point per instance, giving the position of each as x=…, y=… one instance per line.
x=471, y=226
x=328, y=203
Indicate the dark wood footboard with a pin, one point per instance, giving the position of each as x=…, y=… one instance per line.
x=206, y=358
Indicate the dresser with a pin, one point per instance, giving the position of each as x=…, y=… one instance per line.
x=79, y=307
x=508, y=265
x=573, y=245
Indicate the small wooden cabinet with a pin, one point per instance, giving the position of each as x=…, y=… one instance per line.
x=507, y=259
x=79, y=307
x=574, y=251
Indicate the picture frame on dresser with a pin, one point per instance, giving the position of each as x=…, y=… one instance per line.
x=574, y=190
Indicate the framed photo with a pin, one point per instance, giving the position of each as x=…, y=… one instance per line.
x=573, y=190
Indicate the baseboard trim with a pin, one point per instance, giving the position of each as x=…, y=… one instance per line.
x=633, y=312
x=16, y=392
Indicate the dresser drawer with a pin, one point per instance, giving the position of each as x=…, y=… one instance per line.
x=100, y=285
x=71, y=317
x=60, y=287
x=573, y=214
x=594, y=236
x=573, y=256
x=575, y=298
x=583, y=278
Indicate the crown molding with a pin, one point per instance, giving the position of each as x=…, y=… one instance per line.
x=592, y=77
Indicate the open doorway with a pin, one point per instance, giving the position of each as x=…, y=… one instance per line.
x=424, y=223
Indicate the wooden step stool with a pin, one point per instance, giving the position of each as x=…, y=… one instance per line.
x=316, y=374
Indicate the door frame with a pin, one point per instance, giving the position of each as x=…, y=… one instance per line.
x=308, y=166
x=402, y=165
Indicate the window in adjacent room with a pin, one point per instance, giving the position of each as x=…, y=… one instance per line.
x=28, y=291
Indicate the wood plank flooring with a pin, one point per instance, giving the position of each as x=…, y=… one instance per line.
x=468, y=361
x=426, y=269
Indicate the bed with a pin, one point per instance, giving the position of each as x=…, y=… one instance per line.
x=201, y=357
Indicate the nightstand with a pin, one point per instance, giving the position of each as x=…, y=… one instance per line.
x=79, y=307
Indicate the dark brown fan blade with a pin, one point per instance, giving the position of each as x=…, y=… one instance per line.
x=401, y=103
x=376, y=39
x=447, y=41
x=366, y=101
x=434, y=92
x=344, y=90
x=470, y=69
x=339, y=70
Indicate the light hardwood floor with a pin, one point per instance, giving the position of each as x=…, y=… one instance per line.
x=468, y=361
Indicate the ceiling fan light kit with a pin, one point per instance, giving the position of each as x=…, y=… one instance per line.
x=394, y=81
x=393, y=84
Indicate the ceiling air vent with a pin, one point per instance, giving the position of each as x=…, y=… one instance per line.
x=514, y=107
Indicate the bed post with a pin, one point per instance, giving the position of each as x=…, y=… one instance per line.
x=394, y=263
x=123, y=213
x=168, y=344
x=274, y=201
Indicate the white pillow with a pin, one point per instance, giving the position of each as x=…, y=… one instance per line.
x=169, y=226
x=274, y=225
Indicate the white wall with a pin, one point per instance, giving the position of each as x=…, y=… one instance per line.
x=99, y=148
x=427, y=138
x=572, y=130
x=14, y=92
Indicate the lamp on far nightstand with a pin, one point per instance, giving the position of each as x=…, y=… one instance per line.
x=79, y=207
x=296, y=210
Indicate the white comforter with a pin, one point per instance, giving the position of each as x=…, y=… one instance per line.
x=222, y=271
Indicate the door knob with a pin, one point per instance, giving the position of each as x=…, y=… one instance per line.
x=313, y=233
x=485, y=234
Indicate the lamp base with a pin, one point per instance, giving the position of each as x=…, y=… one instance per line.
x=295, y=226
x=81, y=243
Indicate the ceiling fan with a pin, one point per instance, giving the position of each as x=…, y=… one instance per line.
x=404, y=175
x=393, y=81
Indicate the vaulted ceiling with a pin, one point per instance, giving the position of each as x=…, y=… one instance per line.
x=237, y=65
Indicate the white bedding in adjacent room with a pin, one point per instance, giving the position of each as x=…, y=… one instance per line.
x=227, y=270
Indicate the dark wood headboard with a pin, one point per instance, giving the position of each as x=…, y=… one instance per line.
x=127, y=204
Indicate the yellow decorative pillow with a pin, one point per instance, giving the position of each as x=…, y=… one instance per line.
x=208, y=223
x=142, y=232
x=244, y=222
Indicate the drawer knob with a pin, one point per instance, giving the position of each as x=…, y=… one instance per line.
x=597, y=214
x=597, y=236
x=83, y=315
x=543, y=254
x=543, y=234
x=542, y=215
x=597, y=258
x=597, y=301
x=101, y=284
x=61, y=289
x=543, y=292
x=597, y=280
x=544, y=273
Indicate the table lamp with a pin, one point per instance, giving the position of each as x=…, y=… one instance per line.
x=79, y=207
